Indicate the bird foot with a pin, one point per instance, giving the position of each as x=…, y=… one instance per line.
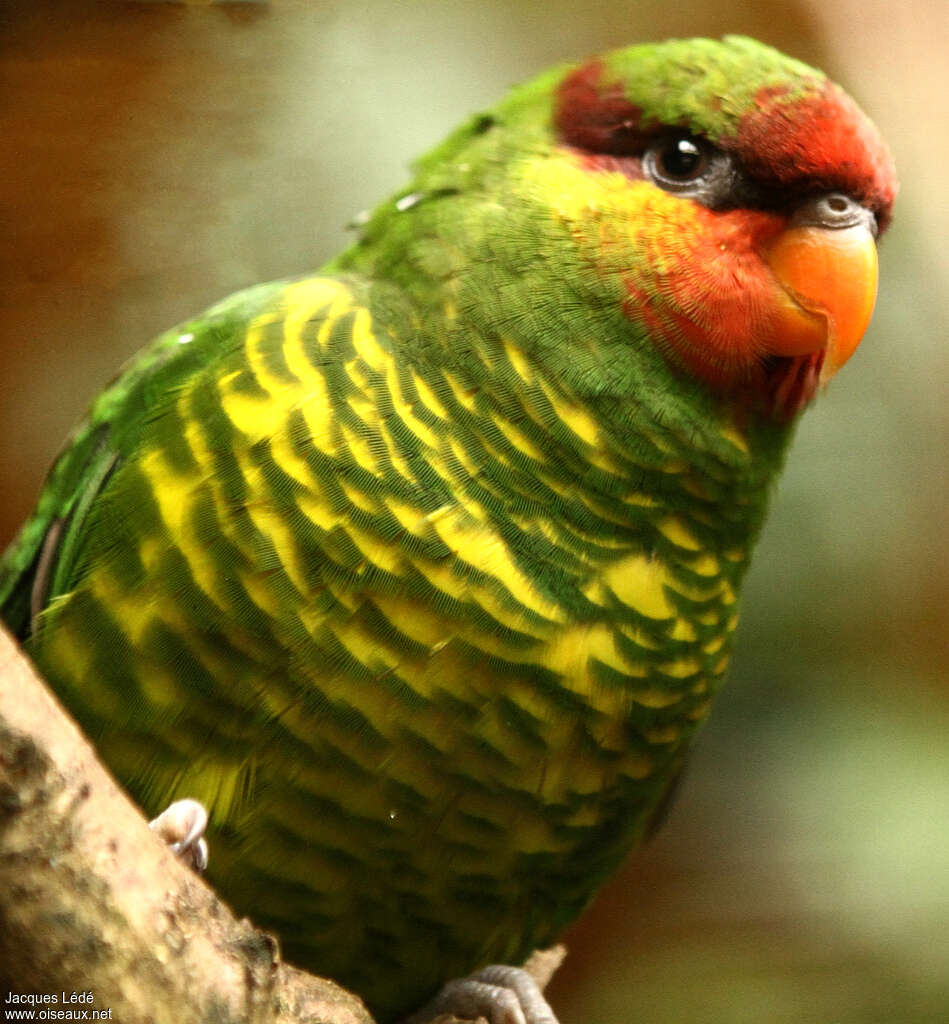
x=182, y=825
x=498, y=994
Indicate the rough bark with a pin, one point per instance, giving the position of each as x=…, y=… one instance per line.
x=91, y=902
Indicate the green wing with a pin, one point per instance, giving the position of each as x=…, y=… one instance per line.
x=41, y=562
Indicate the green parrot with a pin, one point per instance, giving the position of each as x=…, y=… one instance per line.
x=421, y=572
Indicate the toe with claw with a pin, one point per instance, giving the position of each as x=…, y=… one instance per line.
x=499, y=994
x=182, y=825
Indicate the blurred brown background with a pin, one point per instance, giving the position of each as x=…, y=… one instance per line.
x=157, y=156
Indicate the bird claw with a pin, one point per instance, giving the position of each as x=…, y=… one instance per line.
x=499, y=994
x=181, y=826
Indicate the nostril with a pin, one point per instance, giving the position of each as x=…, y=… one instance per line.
x=838, y=204
x=832, y=210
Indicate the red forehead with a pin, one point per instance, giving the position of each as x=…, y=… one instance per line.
x=820, y=140
x=592, y=112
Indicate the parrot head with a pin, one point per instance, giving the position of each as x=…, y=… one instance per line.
x=714, y=203
x=758, y=189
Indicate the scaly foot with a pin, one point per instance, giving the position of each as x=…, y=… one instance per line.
x=500, y=994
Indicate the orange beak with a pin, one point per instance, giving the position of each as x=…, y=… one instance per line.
x=828, y=279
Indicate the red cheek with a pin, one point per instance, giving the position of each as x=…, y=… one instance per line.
x=700, y=286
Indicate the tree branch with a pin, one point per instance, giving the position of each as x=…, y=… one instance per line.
x=92, y=902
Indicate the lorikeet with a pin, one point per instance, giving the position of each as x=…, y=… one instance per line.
x=421, y=572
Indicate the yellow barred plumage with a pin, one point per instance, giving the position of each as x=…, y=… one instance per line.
x=636, y=581
x=445, y=665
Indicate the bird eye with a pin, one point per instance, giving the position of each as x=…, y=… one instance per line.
x=688, y=165
x=682, y=159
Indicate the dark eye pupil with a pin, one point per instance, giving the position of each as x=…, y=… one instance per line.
x=682, y=159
